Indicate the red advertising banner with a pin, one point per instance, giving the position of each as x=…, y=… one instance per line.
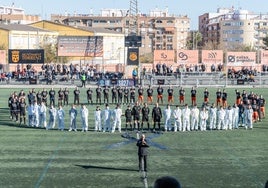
x=241, y=58
x=3, y=57
x=164, y=56
x=187, y=56
x=264, y=57
x=212, y=57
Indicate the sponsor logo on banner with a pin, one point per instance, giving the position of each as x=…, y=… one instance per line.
x=164, y=56
x=212, y=56
x=187, y=56
x=15, y=56
x=241, y=58
x=26, y=56
x=133, y=56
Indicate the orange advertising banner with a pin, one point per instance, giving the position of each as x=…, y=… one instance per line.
x=212, y=56
x=3, y=57
x=164, y=56
x=187, y=56
x=264, y=57
x=241, y=58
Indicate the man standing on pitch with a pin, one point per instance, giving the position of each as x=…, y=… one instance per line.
x=156, y=116
x=142, y=153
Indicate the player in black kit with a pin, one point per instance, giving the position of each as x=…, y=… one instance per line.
x=160, y=92
x=52, y=97
x=136, y=115
x=157, y=115
x=76, y=96
x=126, y=95
x=120, y=95
x=60, y=97
x=22, y=109
x=128, y=115
x=66, y=97
x=145, y=115
x=98, y=95
x=44, y=96
x=89, y=96
x=106, y=95
x=132, y=95
x=114, y=95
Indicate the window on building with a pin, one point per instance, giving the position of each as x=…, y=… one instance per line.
x=159, y=47
x=169, y=47
x=159, y=39
x=169, y=38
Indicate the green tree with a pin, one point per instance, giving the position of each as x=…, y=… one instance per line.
x=146, y=58
x=265, y=41
x=194, y=40
x=50, y=53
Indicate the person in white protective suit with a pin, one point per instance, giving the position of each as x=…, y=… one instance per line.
x=106, y=116
x=194, y=118
x=35, y=111
x=177, y=117
x=167, y=115
x=52, y=117
x=203, y=119
x=186, y=118
x=97, y=117
x=117, y=113
x=212, y=117
x=60, y=115
x=73, y=115
x=221, y=118
x=42, y=115
x=235, y=116
x=84, y=118
x=229, y=118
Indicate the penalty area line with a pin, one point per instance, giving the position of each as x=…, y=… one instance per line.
x=52, y=157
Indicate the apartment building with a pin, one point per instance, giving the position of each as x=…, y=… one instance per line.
x=233, y=29
x=158, y=29
x=16, y=15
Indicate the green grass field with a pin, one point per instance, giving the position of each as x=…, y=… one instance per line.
x=32, y=157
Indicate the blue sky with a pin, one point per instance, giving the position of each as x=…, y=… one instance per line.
x=177, y=7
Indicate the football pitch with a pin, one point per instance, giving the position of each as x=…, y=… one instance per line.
x=33, y=157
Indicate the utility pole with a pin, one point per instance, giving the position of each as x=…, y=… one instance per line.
x=133, y=17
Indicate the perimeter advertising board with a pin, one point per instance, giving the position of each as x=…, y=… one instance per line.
x=80, y=46
x=241, y=58
x=3, y=57
x=164, y=56
x=210, y=57
x=189, y=57
x=25, y=56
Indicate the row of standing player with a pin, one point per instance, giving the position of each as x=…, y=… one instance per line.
x=185, y=119
x=255, y=100
x=126, y=96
